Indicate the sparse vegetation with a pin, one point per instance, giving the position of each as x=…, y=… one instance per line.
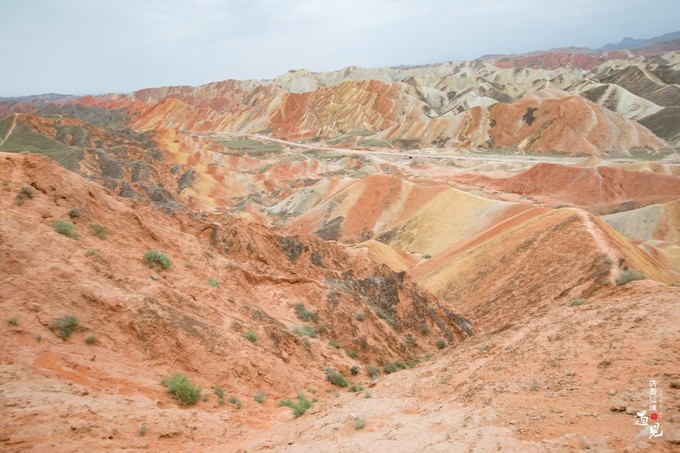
x=156, y=259
x=250, y=336
x=335, y=378
x=305, y=315
x=608, y=261
x=66, y=228
x=206, y=397
x=355, y=388
x=259, y=397
x=360, y=316
x=91, y=252
x=533, y=386
x=629, y=275
x=351, y=354
x=298, y=406
x=13, y=321
x=359, y=423
x=92, y=339
x=373, y=372
x=576, y=302
x=393, y=367
x=25, y=193
x=219, y=392
x=214, y=283
x=98, y=231
x=305, y=330
x=74, y=213
x=66, y=326
x=354, y=370
x=235, y=401
x=367, y=394
x=334, y=343
x=143, y=430
x=183, y=389
x=441, y=344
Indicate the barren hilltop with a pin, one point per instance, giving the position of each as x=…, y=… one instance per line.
x=468, y=256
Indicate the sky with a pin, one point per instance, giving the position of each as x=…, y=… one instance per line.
x=95, y=46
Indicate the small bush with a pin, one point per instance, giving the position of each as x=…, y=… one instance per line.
x=98, y=231
x=427, y=256
x=233, y=400
x=359, y=423
x=260, y=397
x=206, y=397
x=355, y=388
x=183, y=389
x=608, y=261
x=373, y=372
x=13, y=321
x=354, y=370
x=629, y=276
x=351, y=354
x=92, y=339
x=335, y=378
x=305, y=315
x=66, y=228
x=441, y=344
x=334, y=343
x=534, y=386
x=576, y=302
x=393, y=367
x=214, y=283
x=250, y=336
x=25, y=193
x=143, y=430
x=91, y=252
x=367, y=394
x=66, y=326
x=75, y=213
x=299, y=406
x=360, y=316
x=305, y=330
x=156, y=259
x=219, y=392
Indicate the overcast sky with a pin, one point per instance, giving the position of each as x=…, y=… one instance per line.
x=96, y=46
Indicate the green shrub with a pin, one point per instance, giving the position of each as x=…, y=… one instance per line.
x=359, y=423
x=355, y=388
x=629, y=275
x=305, y=330
x=351, y=354
x=206, y=397
x=75, y=213
x=354, y=370
x=373, y=372
x=335, y=378
x=576, y=302
x=233, y=400
x=334, y=343
x=305, y=315
x=393, y=367
x=183, y=389
x=214, y=283
x=25, y=193
x=608, y=261
x=98, y=231
x=143, y=430
x=259, y=397
x=91, y=252
x=66, y=325
x=250, y=336
x=66, y=228
x=299, y=406
x=360, y=316
x=219, y=392
x=92, y=339
x=13, y=321
x=441, y=344
x=367, y=394
x=157, y=260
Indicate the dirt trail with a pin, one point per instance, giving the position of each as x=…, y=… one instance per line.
x=601, y=242
x=11, y=129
